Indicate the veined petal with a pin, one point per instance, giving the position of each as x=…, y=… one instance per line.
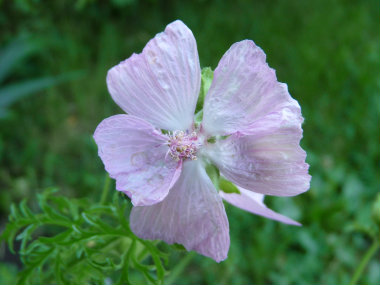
x=254, y=203
x=162, y=83
x=133, y=153
x=192, y=214
x=244, y=89
x=268, y=158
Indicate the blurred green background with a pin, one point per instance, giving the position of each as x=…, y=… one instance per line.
x=326, y=51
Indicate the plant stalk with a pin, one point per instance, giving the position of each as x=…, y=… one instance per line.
x=367, y=257
x=106, y=189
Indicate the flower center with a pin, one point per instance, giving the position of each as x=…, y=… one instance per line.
x=183, y=145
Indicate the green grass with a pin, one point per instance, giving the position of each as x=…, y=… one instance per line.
x=326, y=51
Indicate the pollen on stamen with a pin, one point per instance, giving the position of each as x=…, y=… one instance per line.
x=183, y=145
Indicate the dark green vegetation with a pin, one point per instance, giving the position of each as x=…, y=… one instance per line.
x=326, y=51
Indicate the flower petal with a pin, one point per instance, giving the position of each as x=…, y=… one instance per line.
x=162, y=83
x=253, y=203
x=243, y=90
x=268, y=158
x=192, y=214
x=133, y=153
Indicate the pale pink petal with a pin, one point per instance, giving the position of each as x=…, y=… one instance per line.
x=253, y=203
x=133, y=153
x=244, y=89
x=268, y=158
x=161, y=84
x=192, y=214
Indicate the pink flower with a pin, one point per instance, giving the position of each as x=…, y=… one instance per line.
x=250, y=131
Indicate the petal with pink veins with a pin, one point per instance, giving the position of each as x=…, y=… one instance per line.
x=162, y=83
x=192, y=214
x=244, y=89
x=266, y=159
x=254, y=203
x=134, y=153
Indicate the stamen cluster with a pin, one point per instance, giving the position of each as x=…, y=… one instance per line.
x=183, y=145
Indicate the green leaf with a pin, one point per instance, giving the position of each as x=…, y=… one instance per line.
x=207, y=75
x=26, y=235
x=227, y=186
x=157, y=260
x=124, y=276
x=88, y=244
x=25, y=209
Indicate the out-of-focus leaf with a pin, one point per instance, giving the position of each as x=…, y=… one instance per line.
x=17, y=91
x=8, y=273
x=178, y=246
x=13, y=53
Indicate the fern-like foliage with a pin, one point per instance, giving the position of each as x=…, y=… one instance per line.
x=71, y=241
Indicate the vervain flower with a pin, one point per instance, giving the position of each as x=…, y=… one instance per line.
x=250, y=131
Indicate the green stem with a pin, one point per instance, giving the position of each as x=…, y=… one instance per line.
x=367, y=257
x=178, y=269
x=106, y=189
